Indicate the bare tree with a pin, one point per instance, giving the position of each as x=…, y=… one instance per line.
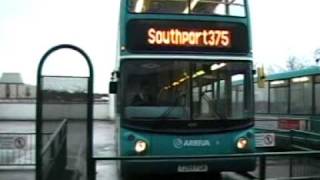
x=317, y=55
x=294, y=63
x=271, y=69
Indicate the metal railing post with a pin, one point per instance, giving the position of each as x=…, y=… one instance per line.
x=262, y=168
x=94, y=173
x=290, y=167
x=17, y=156
x=290, y=134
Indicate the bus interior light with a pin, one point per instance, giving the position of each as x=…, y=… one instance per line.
x=300, y=79
x=198, y=73
x=182, y=80
x=139, y=6
x=217, y=66
x=242, y=143
x=175, y=83
x=278, y=82
x=140, y=146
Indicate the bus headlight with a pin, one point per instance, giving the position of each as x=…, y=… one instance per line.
x=242, y=143
x=140, y=146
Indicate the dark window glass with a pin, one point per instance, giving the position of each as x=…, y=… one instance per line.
x=162, y=90
x=261, y=98
x=28, y=92
x=279, y=97
x=205, y=7
x=7, y=91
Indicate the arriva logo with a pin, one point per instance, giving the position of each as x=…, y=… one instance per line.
x=180, y=143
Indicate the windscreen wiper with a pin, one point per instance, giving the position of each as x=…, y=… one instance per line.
x=167, y=112
x=206, y=98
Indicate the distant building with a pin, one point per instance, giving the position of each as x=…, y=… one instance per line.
x=12, y=87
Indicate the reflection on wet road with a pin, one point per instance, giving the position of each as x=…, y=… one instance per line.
x=104, y=146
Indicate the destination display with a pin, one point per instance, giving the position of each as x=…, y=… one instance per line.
x=206, y=38
x=185, y=36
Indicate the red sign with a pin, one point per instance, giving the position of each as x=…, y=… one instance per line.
x=289, y=124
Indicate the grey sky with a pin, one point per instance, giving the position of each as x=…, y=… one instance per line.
x=282, y=28
x=30, y=27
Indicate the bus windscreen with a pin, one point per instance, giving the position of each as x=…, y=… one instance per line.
x=188, y=90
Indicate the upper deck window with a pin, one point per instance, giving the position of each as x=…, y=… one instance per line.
x=202, y=7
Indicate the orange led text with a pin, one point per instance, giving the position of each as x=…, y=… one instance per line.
x=209, y=38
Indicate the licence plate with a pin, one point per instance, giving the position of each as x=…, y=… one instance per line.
x=193, y=168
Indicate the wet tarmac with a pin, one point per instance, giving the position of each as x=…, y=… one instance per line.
x=104, y=146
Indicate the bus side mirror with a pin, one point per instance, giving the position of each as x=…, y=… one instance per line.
x=254, y=72
x=113, y=87
x=261, y=77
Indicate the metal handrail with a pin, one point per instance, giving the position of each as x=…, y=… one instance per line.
x=21, y=133
x=306, y=132
x=17, y=133
x=53, y=136
x=262, y=158
x=295, y=135
x=290, y=131
x=296, y=178
x=274, y=130
x=303, y=118
x=275, y=117
x=213, y=156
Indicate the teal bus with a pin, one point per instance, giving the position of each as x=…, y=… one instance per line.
x=177, y=86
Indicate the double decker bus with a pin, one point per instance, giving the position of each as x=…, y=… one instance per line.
x=184, y=85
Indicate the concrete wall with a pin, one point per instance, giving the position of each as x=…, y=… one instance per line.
x=27, y=111
x=2, y=91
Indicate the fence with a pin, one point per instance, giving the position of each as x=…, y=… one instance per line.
x=303, y=123
x=27, y=110
x=298, y=165
x=299, y=158
x=17, y=149
x=275, y=165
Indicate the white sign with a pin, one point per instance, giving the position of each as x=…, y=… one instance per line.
x=193, y=168
x=265, y=140
x=13, y=142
